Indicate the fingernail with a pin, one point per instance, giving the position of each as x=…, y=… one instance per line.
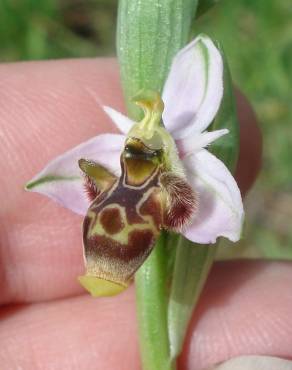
x=254, y=363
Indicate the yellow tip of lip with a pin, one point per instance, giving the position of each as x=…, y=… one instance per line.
x=99, y=287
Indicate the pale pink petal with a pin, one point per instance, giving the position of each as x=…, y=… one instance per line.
x=197, y=142
x=220, y=209
x=62, y=179
x=254, y=363
x=194, y=88
x=123, y=123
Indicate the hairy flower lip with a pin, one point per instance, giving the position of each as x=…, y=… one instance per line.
x=195, y=84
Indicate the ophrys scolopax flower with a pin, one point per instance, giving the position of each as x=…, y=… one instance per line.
x=156, y=175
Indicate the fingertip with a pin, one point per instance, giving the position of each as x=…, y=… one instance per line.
x=245, y=309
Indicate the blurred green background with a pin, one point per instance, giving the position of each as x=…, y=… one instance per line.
x=257, y=38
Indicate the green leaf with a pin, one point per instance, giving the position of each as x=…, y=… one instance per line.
x=192, y=261
x=192, y=265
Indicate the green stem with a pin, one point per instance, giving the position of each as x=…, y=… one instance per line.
x=151, y=295
x=149, y=34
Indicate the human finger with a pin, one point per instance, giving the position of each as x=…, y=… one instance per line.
x=247, y=314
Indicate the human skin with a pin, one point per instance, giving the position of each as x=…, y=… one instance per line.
x=47, y=321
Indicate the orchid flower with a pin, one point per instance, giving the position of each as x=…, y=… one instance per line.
x=157, y=174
